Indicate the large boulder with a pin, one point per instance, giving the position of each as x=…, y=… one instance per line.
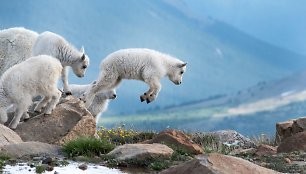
x=141, y=152
x=30, y=149
x=289, y=128
x=69, y=120
x=8, y=136
x=217, y=164
x=176, y=139
x=296, y=142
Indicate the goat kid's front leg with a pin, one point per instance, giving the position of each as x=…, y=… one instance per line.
x=52, y=104
x=42, y=104
x=65, y=81
x=152, y=93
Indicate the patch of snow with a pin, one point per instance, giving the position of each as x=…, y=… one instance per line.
x=265, y=104
x=72, y=167
x=284, y=94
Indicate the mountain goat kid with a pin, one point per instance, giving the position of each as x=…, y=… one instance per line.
x=15, y=46
x=49, y=43
x=139, y=64
x=36, y=76
x=100, y=101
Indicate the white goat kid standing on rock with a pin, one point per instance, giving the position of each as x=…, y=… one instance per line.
x=49, y=43
x=100, y=101
x=36, y=76
x=139, y=64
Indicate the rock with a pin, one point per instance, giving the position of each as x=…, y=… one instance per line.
x=47, y=160
x=8, y=136
x=287, y=160
x=241, y=151
x=289, y=128
x=83, y=166
x=264, y=149
x=69, y=120
x=49, y=168
x=141, y=151
x=217, y=164
x=232, y=138
x=28, y=149
x=177, y=139
x=296, y=142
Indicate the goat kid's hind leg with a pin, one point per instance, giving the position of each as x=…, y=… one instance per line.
x=42, y=104
x=20, y=110
x=102, y=84
x=52, y=104
x=3, y=115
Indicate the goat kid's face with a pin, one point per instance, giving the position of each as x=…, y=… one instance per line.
x=176, y=75
x=111, y=94
x=79, y=67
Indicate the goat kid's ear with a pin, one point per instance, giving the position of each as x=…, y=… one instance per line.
x=82, y=50
x=182, y=65
x=83, y=57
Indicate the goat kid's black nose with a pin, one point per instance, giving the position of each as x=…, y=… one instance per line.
x=114, y=95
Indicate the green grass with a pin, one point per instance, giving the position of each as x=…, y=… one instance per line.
x=211, y=144
x=40, y=169
x=87, y=146
x=3, y=159
x=264, y=139
x=121, y=135
x=159, y=165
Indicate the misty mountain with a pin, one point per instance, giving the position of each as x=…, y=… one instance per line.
x=221, y=59
x=252, y=111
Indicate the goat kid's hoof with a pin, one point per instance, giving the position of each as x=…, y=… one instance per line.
x=82, y=99
x=68, y=93
x=37, y=112
x=141, y=99
x=148, y=101
x=26, y=119
x=12, y=127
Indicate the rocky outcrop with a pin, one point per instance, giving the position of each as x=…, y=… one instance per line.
x=68, y=121
x=289, y=128
x=296, y=142
x=264, y=149
x=8, y=136
x=29, y=149
x=141, y=152
x=226, y=137
x=217, y=164
x=176, y=139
